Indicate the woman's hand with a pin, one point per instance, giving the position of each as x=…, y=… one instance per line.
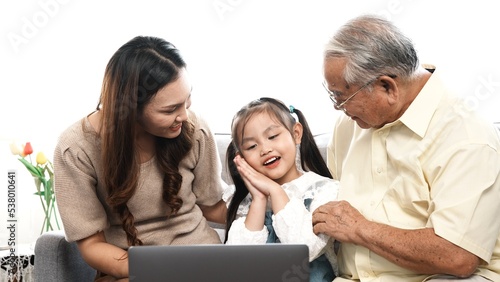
x=216, y=213
x=103, y=256
x=108, y=278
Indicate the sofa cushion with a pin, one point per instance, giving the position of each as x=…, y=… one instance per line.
x=58, y=260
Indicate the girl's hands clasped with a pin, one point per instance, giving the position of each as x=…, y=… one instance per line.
x=256, y=182
x=260, y=185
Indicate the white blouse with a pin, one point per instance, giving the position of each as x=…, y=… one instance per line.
x=293, y=224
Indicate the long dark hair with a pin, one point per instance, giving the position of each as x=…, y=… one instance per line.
x=310, y=156
x=133, y=76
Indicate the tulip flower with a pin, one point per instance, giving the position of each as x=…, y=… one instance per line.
x=15, y=149
x=28, y=150
x=43, y=175
x=41, y=158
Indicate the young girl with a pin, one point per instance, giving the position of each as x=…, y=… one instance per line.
x=276, y=190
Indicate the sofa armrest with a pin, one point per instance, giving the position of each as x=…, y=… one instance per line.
x=58, y=260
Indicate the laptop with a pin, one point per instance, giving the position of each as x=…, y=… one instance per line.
x=220, y=263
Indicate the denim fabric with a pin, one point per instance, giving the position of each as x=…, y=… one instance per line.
x=320, y=269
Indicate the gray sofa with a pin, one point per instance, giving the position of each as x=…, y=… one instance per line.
x=58, y=260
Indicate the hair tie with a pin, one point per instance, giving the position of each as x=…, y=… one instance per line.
x=292, y=109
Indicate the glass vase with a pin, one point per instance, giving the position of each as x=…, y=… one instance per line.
x=47, y=197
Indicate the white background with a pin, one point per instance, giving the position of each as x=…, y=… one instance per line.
x=53, y=55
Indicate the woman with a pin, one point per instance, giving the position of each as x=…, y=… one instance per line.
x=142, y=169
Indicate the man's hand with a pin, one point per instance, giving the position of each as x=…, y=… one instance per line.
x=337, y=219
x=420, y=250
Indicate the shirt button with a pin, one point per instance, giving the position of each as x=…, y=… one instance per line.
x=379, y=170
x=364, y=274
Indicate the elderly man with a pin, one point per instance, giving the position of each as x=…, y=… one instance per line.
x=419, y=171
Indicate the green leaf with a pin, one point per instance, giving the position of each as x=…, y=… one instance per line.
x=40, y=170
x=32, y=169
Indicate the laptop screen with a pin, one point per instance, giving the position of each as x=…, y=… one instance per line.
x=221, y=263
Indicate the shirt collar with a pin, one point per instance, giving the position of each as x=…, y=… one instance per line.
x=419, y=114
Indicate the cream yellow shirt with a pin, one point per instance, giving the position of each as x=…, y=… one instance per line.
x=437, y=166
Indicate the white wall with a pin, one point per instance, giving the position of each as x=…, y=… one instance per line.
x=54, y=53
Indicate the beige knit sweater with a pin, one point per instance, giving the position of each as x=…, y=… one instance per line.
x=81, y=196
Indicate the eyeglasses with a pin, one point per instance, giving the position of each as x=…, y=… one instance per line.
x=332, y=95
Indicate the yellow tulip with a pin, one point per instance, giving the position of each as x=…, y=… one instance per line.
x=15, y=149
x=41, y=158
